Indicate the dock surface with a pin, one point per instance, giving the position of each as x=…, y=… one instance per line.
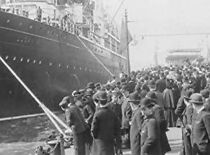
x=22, y=136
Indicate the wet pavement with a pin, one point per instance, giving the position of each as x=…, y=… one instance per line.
x=21, y=137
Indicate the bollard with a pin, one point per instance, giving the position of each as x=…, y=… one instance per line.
x=57, y=146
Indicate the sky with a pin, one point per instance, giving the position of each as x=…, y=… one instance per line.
x=163, y=17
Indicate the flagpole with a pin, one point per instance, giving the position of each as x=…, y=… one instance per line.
x=127, y=41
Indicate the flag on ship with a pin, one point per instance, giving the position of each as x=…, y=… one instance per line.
x=124, y=39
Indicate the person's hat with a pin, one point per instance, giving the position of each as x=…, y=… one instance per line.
x=151, y=83
x=186, y=86
x=75, y=93
x=187, y=94
x=134, y=97
x=117, y=93
x=108, y=86
x=102, y=96
x=98, y=84
x=82, y=91
x=147, y=103
x=208, y=74
x=151, y=95
x=205, y=93
x=88, y=92
x=91, y=85
x=65, y=101
x=196, y=98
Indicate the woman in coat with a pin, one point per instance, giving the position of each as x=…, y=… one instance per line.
x=150, y=133
x=170, y=103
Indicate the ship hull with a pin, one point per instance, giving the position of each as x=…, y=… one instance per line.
x=51, y=62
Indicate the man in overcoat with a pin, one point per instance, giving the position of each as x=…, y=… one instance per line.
x=150, y=132
x=105, y=129
x=161, y=121
x=184, y=111
x=76, y=122
x=136, y=121
x=200, y=126
x=170, y=103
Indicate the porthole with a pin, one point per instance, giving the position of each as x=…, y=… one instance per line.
x=7, y=57
x=28, y=60
x=8, y=20
x=40, y=62
x=21, y=59
x=14, y=58
x=34, y=61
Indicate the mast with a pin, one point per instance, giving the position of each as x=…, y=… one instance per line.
x=127, y=41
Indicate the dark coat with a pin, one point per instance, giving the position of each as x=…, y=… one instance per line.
x=185, y=114
x=75, y=119
x=196, y=83
x=201, y=133
x=81, y=134
x=170, y=105
x=88, y=112
x=161, y=85
x=160, y=101
x=116, y=108
x=126, y=114
x=150, y=138
x=106, y=132
x=162, y=123
x=135, y=132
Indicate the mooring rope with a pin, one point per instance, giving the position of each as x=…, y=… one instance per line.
x=51, y=115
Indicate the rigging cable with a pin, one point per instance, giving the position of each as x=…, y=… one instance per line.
x=117, y=10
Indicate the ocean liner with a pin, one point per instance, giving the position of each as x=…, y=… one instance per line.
x=55, y=47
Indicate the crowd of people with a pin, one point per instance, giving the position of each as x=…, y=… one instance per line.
x=135, y=111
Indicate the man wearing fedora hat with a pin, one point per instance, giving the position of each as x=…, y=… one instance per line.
x=105, y=128
x=135, y=123
x=200, y=126
x=161, y=121
x=150, y=131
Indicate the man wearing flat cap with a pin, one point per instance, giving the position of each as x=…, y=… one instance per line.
x=200, y=126
x=105, y=128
